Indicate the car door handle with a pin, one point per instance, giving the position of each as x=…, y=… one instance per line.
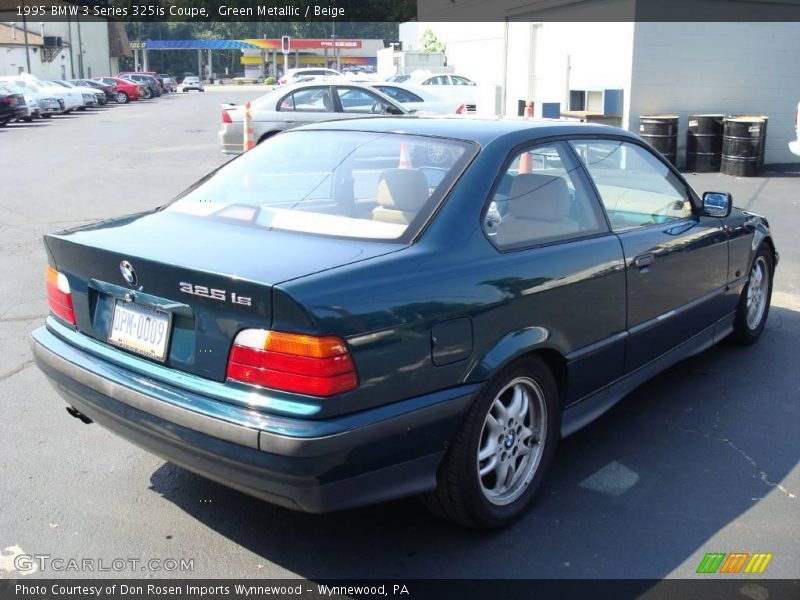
x=644, y=260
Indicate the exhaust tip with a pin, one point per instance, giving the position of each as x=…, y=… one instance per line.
x=74, y=412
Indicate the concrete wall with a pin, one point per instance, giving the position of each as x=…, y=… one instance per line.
x=731, y=68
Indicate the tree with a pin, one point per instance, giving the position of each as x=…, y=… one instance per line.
x=430, y=43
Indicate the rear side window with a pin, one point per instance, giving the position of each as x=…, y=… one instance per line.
x=636, y=187
x=355, y=100
x=542, y=197
x=398, y=94
x=308, y=100
x=354, y=184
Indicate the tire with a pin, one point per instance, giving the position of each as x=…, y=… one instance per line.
x=122, y=98
x=147, y=94
x=47, y=116
x=81, y=108
x=185, y=91
x=464, y=496
x=753, y=309
x=28, y=119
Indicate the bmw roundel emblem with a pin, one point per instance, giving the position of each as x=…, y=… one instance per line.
x=127, y=271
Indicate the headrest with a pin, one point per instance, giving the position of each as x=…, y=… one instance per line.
x=402, y=189
x=543, y=197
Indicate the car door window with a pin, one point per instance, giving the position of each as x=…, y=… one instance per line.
x=317, y=99
x=460, y=80
x=398, y=94
x=438, y=80
x=355, y=100
x=636, y=187
x=542, y=196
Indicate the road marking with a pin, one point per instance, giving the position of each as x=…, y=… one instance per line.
x=614, y=479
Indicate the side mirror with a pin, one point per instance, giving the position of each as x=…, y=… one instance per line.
x=392, y=110
x=717, y=204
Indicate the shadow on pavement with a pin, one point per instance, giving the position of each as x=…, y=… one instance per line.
x=707, y=440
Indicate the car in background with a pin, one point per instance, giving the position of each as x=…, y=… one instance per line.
x=193, y=82
x=398, y=78
x=125, y=90
x=39, y=105
x=71, y=98
x=324, y=324
x=152, y=74
x=169, y=83
x=285, y=108
x=109, y=90
x=453, y=87
x=418, y=99
x=91, y=96
x=151, y=83
x=12, y=105
x=293, y=76
x=794, y=147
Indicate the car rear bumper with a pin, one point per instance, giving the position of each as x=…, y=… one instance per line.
x=306, y=464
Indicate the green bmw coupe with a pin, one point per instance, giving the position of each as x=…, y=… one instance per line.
x=332, y=319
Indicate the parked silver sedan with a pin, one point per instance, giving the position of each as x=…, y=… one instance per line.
x=296, y=105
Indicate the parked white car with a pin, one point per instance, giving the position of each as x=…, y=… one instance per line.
x=418, y=99
x=39, y=105
x=91, y=96
x=72, y=99
x=448, y=86
x=193, y=82
x=293, y=76
x=794, y=147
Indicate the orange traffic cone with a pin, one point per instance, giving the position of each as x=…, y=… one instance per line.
x=247, y=124
x=405, y=157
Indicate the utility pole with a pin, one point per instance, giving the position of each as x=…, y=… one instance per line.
x=80, y=47
x=27, y=48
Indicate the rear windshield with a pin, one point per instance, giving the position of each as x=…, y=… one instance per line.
x=352, y=184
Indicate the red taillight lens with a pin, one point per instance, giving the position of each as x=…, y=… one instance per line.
x=59, y=297
x=303, y=364
x=461, y=109
x=226, y=118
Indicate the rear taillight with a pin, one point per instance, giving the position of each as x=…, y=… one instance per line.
x=226, y=118
x=59, y=297
x=302, y=364
x=461, y=109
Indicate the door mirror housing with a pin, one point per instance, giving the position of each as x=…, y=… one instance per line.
x=392, y=110
x=717, y=204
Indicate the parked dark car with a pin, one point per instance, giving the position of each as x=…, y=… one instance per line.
x=153, y=88
x=12, y=106
x=108, y=89
x=324, y=324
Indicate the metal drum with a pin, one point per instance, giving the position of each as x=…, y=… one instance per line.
x=704, y=143
x=661, y=132
x=743, y=146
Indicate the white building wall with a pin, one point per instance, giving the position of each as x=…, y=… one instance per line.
x=731, y=68
x=94, y=36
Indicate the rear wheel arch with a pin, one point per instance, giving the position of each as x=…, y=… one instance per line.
x=266, y=136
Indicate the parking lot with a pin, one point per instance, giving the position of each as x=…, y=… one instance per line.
x=703, y=458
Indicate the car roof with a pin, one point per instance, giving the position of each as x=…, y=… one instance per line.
x=481, y=130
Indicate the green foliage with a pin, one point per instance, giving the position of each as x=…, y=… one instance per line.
x=430, y=43
x=269, y=81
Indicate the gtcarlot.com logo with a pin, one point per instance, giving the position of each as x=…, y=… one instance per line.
x=30, y=563
x=736, y=562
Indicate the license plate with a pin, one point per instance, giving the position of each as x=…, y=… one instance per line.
x=140, y=329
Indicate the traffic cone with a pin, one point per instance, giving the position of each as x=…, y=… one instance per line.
x=405, y=157
x=247, y=124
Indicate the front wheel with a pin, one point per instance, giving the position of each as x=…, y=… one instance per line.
x=122, y=98
x=753, y=310
x=503, y=449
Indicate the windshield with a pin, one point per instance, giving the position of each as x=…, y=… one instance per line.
x=353, y=184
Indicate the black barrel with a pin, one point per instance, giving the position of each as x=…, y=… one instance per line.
x=661, y=132
x=763, y=149
x=743, y=146
x=704, y=143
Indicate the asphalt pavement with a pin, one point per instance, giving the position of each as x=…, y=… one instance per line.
x=703, y=458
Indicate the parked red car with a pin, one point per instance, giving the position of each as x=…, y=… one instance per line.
x=126, y=91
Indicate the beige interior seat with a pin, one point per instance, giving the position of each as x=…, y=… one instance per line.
x=538, y=209
x=401, y=194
